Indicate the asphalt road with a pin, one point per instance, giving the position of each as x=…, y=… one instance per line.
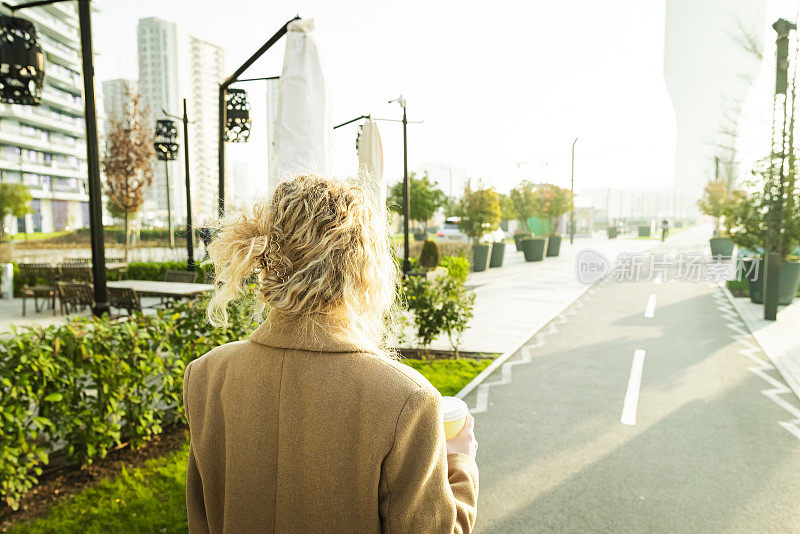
x=704, y=448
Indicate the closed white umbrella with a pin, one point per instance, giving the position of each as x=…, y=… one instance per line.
x=370, y=158
x=302, y=122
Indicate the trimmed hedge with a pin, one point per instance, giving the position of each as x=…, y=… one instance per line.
x=155, y=271
x=92, y=384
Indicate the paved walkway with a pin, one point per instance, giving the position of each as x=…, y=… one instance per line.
x=516, y=300
x=780, y=339
x=644, y=407
x=11, y=314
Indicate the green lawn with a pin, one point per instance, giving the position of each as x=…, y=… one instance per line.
x=151, y=498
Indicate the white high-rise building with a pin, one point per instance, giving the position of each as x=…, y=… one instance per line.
x=173, y=65
x=709, y=74
x=44, y=147
x=117, y=96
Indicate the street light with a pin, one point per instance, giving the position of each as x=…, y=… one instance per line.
x=189, y=229
x=237, y=116
x=223, y=107
x=167, y=150
x=775, y=214
x=90, y=115
x=406, y=187
x=21, y=62
x=572, y=193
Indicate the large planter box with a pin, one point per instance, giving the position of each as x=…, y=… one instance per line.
x=533, y=248
x=480, y=257
x=788, y=282
x=498, y=252
x=613, y=232
x=518, y=237
x=644, y=231
x=721, y=247
x=553, y=246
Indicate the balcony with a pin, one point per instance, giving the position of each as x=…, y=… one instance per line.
x=60, y=54
x=51, y=26
x=40, y=118
x=16, y=137
x=60, y=100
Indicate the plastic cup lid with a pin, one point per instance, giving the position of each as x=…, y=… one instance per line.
x=453, y=408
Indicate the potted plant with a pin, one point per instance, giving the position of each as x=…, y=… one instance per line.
x=746, y=223
x=534, y=248
x=480, y=214
x=715, y=202
x=523, y=203
x=551, y=202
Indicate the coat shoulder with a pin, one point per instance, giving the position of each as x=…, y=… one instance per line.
x=400, y=376
x=219, y=356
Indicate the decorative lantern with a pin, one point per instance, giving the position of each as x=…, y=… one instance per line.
x=21, y=62
x=166, y=140
x=237, y=115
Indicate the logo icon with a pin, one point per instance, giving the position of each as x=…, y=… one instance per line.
x=591, y=266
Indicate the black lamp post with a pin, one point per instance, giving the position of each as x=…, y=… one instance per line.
x=406, y=188
x=223, y=107
x=774, y=236
x=166, y=146
x=189, y=229
x=572, y=194
x=34, y=72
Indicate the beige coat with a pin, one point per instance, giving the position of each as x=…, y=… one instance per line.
x=292, y=434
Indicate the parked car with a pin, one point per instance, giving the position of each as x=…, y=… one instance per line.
x=450, y=232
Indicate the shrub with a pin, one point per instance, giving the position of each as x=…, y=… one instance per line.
x=440, y=304
x=93, y=383
x=429, y=257
x=457, y=267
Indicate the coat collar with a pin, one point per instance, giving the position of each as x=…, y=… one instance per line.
x=304, y=335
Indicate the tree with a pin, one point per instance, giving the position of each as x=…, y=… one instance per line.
x=425, y=198
x=551, y=202
x=15, y=200
x=479, y=211
x=523, y=200
x=716, y=201
x=128, y=161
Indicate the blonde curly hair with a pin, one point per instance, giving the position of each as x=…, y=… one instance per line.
x=321, y=255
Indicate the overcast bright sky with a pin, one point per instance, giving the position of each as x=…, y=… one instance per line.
x=503, y=86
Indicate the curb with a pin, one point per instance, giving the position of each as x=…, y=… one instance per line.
x=500, y=360
x=765, y=345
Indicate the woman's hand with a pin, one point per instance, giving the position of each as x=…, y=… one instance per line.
x=464, y=442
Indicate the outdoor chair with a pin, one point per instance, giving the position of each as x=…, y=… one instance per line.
x=77, y=261
x=75, y=272
x=38, y=283
x=187, y=277
x=75, y=296
x=124, y=298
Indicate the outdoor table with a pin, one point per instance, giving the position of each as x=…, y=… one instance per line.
x=163, y=289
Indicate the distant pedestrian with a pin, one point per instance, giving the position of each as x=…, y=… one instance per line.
x=664, y=229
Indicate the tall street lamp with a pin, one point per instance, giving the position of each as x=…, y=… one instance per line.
x=29, y=67
x=189, y=229
x=166, y=147
x=572, y=193
x=775, y=214
x=406, y=188
x=236, y=111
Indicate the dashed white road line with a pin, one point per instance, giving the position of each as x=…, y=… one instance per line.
x=650, y=310
x=632, y=394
